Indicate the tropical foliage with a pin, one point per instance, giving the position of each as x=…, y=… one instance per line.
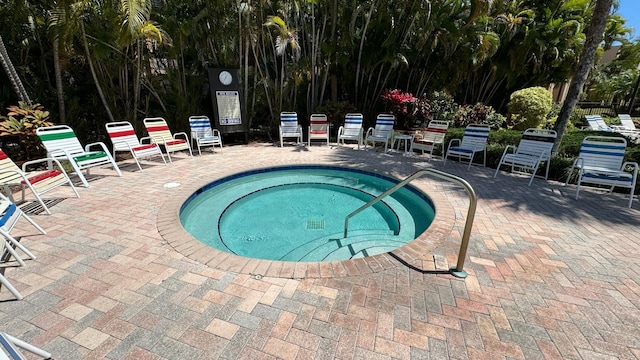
x=92, y=61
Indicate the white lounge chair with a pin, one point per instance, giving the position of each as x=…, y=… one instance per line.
x=474, y=140
x=428, y=139
x=352, y=129
x=289, y=127
x=382, y=132
x=39, y=182
x=202, y=133
x=61, y=143
x=318, y=128
x=9, y=216
x=596, y=122
x=124, y=139
x=11, y=344
x=627, y=124
x=534, y=148
x=600, y=162
x=160, y=134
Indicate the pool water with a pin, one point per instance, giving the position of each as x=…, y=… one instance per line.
x=297, y=213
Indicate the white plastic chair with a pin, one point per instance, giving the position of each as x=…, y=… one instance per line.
x=534, y=148
x=473, y=141
x=352, y=129
x=39, y=182
x=61, y=143
x=318, y=128
x=600, y=162
x=124, y=139
x=383, y=131
x=289, y=127
x=428, y=139
x=202, y=133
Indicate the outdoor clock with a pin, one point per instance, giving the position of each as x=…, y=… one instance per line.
x=225, y=77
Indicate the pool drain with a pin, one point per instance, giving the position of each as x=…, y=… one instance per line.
x=315, y=224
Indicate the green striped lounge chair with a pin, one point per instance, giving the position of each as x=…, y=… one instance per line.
x=160, y=134
x=289, y=127
x=534, y=149
x=62, y=144
x=9, y=216
x=38, y=182
x=474, y=140
x=318, y=128
x=434, y=134
x=124, y=139
x=202, y=134
x=382, y=132
x=352, y=129
x=600, y=162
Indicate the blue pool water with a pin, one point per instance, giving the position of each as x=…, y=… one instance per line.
x=296, y=213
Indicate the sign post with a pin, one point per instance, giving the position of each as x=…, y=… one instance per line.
x=225, y=97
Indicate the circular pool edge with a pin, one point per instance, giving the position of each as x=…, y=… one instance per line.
x=415, y=253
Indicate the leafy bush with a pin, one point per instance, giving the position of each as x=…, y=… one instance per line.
x=21, y=122
x=477, y=114
x=528, y=108
x=443, y=107
x=401, y=105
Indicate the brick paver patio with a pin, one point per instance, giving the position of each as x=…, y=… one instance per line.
x=549, y=277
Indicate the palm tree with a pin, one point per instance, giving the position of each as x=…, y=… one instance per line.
x=595, y=35
x=13, y=74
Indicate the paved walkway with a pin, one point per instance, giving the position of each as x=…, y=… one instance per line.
x=549, y=277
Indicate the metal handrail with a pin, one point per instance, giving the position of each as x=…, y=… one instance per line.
x=458, y=271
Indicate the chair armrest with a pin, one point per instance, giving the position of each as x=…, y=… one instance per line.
x=369, y=132
x=175, y=136
x=43, y=160
x=451, y=142
x=215, y=132
x=101, y=144
x=340, y=130
x=632, y=164
x=506, y=150
x=142, y=140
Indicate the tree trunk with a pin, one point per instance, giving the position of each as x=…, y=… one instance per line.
x=58, y=75
x=595, y=34
x=94, y=75
x=12, y=74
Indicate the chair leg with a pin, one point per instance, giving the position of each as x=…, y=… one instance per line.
x=8, y=245
x=13, y=290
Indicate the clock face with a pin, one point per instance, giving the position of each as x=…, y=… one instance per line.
x=225, y=77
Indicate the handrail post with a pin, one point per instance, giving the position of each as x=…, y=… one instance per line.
x=458, y=271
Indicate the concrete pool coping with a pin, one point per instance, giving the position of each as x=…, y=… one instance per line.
x=415, y=253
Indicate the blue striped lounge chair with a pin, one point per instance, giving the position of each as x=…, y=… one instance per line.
x=38, y=181
x=534, y=149
x=160, y=134
x=124, y=139
x=202, y=134
x=10, y=348
x=318, y=128
x=382, y=132
x=289, y=127
x=61, y=143
x=9, y=216
x=474, y=140
x=352, y=129
x=600, y=162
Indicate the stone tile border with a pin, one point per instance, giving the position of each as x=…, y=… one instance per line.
x=416, y=253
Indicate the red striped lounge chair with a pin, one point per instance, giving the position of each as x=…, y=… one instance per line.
x=383, y=132
x=318, y=128
x=474, y=140
x=352, y=129
x=61, y=143
x=534, y=148
x=600, y=162
x=124, y=139
x=39, y=182
x=427, y=140
x=160, y=134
